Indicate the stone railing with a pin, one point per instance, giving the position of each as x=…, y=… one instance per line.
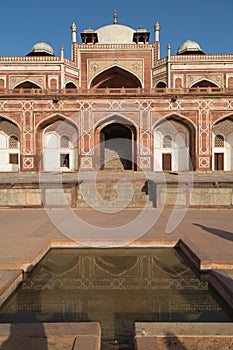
x=116, y=91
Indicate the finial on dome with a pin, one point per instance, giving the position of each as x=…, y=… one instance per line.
x=115, y=17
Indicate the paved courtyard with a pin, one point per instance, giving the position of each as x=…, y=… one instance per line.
x=27, y=234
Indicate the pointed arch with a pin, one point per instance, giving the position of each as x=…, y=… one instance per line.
x=115, y=138
x=222, y=144
x=27, y=84
x=9, y=145
x=205, y=83
x=6, y=118
x=115, y=77
x=54, y=154
x=179, y=153
x=52, y=118
x=179, y=118
x=222, y=118
x=115, y=118
x=71, y=85
x=161, y=84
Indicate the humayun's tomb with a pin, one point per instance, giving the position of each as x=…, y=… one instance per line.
x=175, y=112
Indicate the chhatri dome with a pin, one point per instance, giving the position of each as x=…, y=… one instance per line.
x=189, y=47
x=41, y=49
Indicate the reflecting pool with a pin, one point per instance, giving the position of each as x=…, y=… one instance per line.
x=115, y=287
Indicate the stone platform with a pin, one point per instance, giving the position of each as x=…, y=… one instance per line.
x=107, y=189
x=50, y=336
x=183, y=336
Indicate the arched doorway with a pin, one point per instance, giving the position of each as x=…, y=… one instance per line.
x=59, y=140
x=9, y=146
x=117, y=149
x=174, y=145
x=222, y=146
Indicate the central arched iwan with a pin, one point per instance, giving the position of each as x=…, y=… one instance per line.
x=115, y=77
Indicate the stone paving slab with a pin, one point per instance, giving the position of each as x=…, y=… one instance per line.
x=50, y=336
x=183, y=336
x=88, y=343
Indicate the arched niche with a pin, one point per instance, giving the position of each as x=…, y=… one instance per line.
x=9, y=145
x=204, y=84
x=70, y=85
x=174, y=139
x=27, y=85
x=115, y=77
x=57, y=144
x=222, y=145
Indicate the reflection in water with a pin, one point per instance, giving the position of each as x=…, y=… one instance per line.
x=115, y=287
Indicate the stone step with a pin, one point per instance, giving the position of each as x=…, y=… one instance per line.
x=112, y=160
x=114, y=194
x=120, y=204
x=113, y=183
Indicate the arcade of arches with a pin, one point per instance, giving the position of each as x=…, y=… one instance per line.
x=116, y=145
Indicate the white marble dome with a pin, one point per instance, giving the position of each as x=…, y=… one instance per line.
x=42, y=48
x=189, y=46
x=115, y=34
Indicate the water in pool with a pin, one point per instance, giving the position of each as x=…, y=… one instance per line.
x=115, y=287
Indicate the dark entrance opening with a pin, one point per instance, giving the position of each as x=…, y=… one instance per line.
x=116, y=148
x=167, y=161
x=219, y=161
x=65, y=160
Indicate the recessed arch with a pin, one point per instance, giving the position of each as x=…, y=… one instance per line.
x=114, y=118
x=52, y=154
x=178, y=117
x=222, y=144
x=3, y=117
x=205, y=83
x=27, y=84
x=116, y=150
x=52, y=118
x=161, y=85
x=71, y=85
x=179, y=155
x=9, y=145
x=115, y=77
x=222, y=118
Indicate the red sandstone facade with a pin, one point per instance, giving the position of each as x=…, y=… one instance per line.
x=176, y=113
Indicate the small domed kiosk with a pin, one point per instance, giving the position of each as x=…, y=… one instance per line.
x=41, y=49
x=190, y=47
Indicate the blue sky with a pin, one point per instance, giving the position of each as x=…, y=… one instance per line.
x=25, y=22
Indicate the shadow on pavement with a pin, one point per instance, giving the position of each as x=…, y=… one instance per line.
x=220, y=233
x=24, y=338
x=173, y=343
